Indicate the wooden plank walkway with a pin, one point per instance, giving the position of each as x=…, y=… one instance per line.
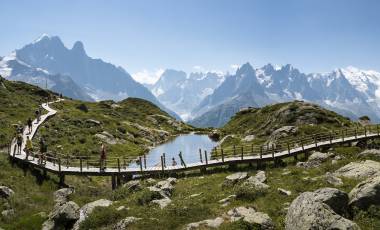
x=57, y=166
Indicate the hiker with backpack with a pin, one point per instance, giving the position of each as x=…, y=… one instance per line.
x=43, y=150
x=103, y=156
x=19, y=141
x=30, y=125
x=28, y=147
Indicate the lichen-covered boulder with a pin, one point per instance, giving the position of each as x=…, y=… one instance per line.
x=6, y=192
x=235, y=178
x=250, y=215
x=124, y=223
x=62, y=195
x=359, y=170
x=365, y=194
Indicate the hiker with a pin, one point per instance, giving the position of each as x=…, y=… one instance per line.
x=30, y=125
x=103, y=155
x=29, y=147
x=19, y=128
x=19, y=143
x=174, y=163
x=38, y=116
x=43, y=150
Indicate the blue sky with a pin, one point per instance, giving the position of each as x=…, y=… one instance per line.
x=146, y=36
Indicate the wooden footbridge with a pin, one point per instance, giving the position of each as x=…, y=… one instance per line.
x=116, y=167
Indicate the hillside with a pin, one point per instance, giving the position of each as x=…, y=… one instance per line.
x=18, y=102
x=288, y=119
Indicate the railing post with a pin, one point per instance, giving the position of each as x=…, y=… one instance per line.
x=125, y=163
x=181, y=158
x=356, y=133
x=252, y=148
x=331, y=137
x=164, y=157
x=200, y=155
x=315, y=141
x=234, y=150
x=206, y=157
x=288, y=147
x=273, y=151
x=162, y=163
x=303, y=148
x=242, y=152
x=377, y=129
x=118, y=165
x=80, y=164
x=222, y=155
x=261, y=151
x=365, y=131
x=141, y=164
x=144, y=161
x=59, y=164
x=67, y=160
x=342, y=135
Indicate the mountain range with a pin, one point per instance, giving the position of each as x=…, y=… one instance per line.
x=47, y=62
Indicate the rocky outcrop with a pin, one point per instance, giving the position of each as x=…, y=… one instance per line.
x=257, y=181
x=162, y=203
x=62, y=195
x=210, y=223
x=133, y=185
x=109, y=138
x=333, y=180
x=249, y=215
x=370, y=153
x=63, y=216
x=314, y=160
x=6, y=192
x=359, y=170
x=319, y=210
x=365, y=194
x=87, y=209
x=124, y=223
x=233, y=179
x=164, y=189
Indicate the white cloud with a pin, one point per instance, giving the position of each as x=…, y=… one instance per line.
x=234, y=67
x=198, y=68
x=146, y=76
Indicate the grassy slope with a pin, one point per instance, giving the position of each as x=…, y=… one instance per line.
x=18, y=102
x=309, y=118
x=69, y=132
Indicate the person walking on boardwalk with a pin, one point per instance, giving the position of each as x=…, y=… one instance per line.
x=30, y=125
x=43, y=150
x=103, y=156
x=38, y=116
x=174, y=162
x=29, y=147
x=19, y=142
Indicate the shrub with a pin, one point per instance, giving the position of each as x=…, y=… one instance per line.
x=82, y=107
x=101, y=216
x=246, y=192
x=146, y=196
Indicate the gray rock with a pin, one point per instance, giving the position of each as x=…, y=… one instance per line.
x=333, y=180
x=365, y=194
x=336, y=199
x=92, y=121
x=318, y=156
x=370, y=152
x=210, y=223
x=150, y=181
x=284, y=192
x=123, y=224
x=311, y=210
x=109, y=138
x=249, y=138
x=162, y=202
x=359, y=170
x=195, y=195
x=227, y=199
x=133, y=185
x=235, y=178
x=63, y=216
x=6, y=192
x=260, y=176
x=251, y=216
x=62, y=195
x=254, y=183
x=88, y=208
x=8, y=213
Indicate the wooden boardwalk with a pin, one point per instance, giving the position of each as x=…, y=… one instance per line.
x=236, y=155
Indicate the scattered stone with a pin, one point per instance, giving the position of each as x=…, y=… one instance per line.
x=359, y=170
x=195, y=195
x=334, y=162
x=6, y=192
x=162, y=202
x=251, y=216
x=314, y=160
x=370, y=152
x=87, y=209
x=120, y=208
x=249, y=138
x=254, y=183
x=123, y=224
x=227, y=199
x=133, y=185
x=235, y=178
x=210, y=223
x=333, y=180
x=62, y=195
x=92, y=121
x=317, y=210
x=260, y=176
x=284, y=192
x=366, y=193
x=63, y=216
x=166, y=186
x=109, y=138
x=150, y=181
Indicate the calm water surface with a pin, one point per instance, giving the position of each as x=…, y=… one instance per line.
x=188, y=144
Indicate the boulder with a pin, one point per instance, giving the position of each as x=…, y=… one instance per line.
x=284, y=192
x=235, y=178
x=210, y=223
x=162, y=202
x=260, y=176
x=6, y=192
x=63, y=216
x=253, y=182
x=109, y=138
x=251, y=216
x=312, y=210
x=124, y=223
x=62, y=195
x=166, y=186
x=88, y=208
x=319, y=156
x=133, y=185
x=150, y=181
x=333, y=180
x=249, y=138
x=359, y=170
x=93, y=122
x=370, y=153
x=365, y=194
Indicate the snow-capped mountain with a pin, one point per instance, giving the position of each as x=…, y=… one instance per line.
x=181, y=92
x=351, y=92
x=16, y=70
x=99, y=79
